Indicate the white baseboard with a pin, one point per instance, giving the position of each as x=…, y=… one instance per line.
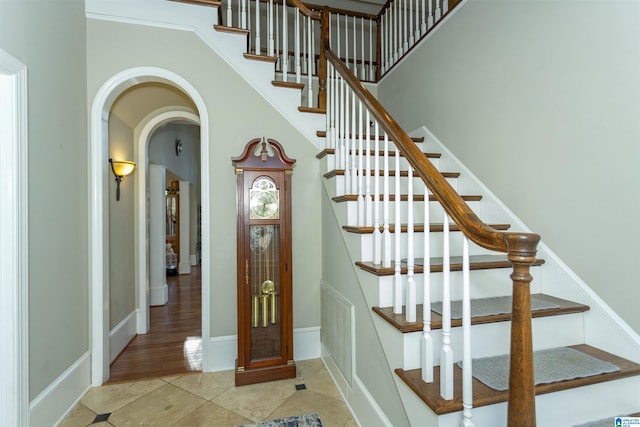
x=224, y=350
x=184, y=267
x=363, y=407
x=122, y=335
x=55, y=402
x=159, y=296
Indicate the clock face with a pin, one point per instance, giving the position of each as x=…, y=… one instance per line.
x=264, y=200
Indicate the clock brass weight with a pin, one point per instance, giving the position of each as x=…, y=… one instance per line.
x=265, y=324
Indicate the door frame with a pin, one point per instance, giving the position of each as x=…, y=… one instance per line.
x=14, y=253
x=98, y=208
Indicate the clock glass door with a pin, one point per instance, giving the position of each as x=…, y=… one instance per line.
x=265, y=290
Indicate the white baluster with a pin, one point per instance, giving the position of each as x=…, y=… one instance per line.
x=427, y=340
x=386, y=234
x=243, y=14
x=396, y=32
x=368, y=204
x=329, y=114
x=411, y=285
x=309, y=65
x=397, y=282
x=278, y=53
x=346, y=41
x=445, y=7
x=405, y=29
x=355, y=48
x=297, y=46
x=423, y=23
x=430, y=17
x=347, y=140
x=377, y=235
x=354, y=138
x=249, y=39
x=361, y=205
x=417, y=24
x=467, y=380
x=285, y=44
x=258, y=47
x=363, y=68
x=372, y=76
x=313, y=48
x=446, y=353
x=385, y=42
x=229, y=14
x=411, y=38
x=438, y=10
x=270, y=30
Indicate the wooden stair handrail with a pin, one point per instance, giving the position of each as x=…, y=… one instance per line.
x=474, y=228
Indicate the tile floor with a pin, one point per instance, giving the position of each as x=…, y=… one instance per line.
x=211, y=399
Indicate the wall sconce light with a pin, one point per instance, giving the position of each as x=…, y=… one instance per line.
x=121, y=168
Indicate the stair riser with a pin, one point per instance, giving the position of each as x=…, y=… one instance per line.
x=485, y=283
x=436, y=213
x=328, y=163
x=493, y=339
x=436, y=244
x=338, y=187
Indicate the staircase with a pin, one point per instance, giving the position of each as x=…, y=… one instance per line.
x=574, y=317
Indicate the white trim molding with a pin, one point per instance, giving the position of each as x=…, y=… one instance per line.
x=121, y=335
x=98, y=210
x=224, y=349
x=58, y=399
x=14, y=269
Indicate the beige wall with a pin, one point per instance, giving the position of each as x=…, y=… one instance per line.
x=540, y=100
x=122, y=269
x=237, y=114
x=49, y=37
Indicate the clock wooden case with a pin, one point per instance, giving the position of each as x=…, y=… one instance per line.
x=265, y=324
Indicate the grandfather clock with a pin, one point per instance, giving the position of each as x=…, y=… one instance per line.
x=265, y=325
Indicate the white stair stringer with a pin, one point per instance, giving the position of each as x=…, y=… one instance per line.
x=230, y=47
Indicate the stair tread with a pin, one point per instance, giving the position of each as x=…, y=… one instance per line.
x=231, y=30
x=404, y=198
x=399, y=322
x=341, y=172
x=477, y=262
x=261, y=58
x=417, y=227
x=331, y=151
x=289, y=85
x=314, y=110
x=210, y=3
x=323, y=134
x=483, y=395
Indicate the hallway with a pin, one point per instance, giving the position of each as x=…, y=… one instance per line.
x=173, y=344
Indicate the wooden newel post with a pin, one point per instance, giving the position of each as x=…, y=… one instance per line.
x=521, y=408
x=322, y=68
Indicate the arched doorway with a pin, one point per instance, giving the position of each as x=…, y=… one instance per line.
x=99, y=173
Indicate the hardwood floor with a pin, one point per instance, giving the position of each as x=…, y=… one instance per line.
x=173, y=344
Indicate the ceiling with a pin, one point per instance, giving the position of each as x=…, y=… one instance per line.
x=140, y=100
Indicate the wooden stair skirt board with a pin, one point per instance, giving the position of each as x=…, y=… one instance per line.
x=329, y=151
x=477, y=262
x=399, y=322
x=483, y=395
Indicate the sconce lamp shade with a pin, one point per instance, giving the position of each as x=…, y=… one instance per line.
x=121, y=168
